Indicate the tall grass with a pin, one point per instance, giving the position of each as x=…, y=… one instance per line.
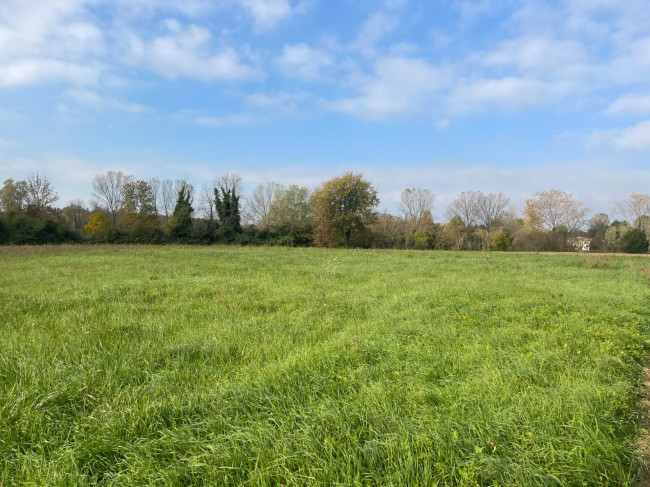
x=271, y=366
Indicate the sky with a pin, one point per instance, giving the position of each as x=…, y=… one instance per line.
x=511, y=96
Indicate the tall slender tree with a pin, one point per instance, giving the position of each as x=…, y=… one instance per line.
x=226, y=203
x=180, y=223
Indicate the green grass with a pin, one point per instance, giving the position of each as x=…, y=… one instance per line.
x=270, y=366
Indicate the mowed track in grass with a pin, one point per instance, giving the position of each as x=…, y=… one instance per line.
x=271, y=366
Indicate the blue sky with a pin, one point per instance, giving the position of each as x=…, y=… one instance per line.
x=491, y=95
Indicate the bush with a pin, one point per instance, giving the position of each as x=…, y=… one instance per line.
x=422, y=240
x=109, y=235
x=22, y=229
x=501, y=241
x=146, y=234
x=204, y=232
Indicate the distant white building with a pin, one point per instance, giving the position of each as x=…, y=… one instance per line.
x=581, y=244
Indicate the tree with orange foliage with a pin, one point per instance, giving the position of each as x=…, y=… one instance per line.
x=553, y=209
x=342, y=208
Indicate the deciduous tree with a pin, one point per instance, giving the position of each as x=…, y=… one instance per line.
x=261, y=202
x=39, y=194
x=414, y=202
x=206, y=202
x=155, y=183
x=635, y=207
x=464, y=207
x=13, y=195
x=97, y=220
x=138, y=206
x=167, y=198
x=108, y=192
x=342, y=208
x=76, y=214
x=291, y=209
x=553, y=209
x=489, y=207
x=453, y=235
x=598, y=225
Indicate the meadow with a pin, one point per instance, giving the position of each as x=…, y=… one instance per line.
x=277, y=366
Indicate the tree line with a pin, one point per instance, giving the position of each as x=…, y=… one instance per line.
x=341, y=212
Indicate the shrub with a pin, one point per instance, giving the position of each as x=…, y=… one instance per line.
x=593, y=262
x=501, y=241
x=109, y=235
x=423, y=240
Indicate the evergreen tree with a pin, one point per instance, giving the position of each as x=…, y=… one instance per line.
x=636, y=241
x=227, y=205
x=180, y=223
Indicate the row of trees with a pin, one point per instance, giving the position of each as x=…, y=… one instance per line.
x=340, y=212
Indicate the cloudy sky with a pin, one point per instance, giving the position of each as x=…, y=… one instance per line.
x=511, y=96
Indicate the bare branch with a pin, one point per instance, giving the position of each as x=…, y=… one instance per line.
x=489, y=207
x=464, y=207
x=108, y=192
x=414, y=202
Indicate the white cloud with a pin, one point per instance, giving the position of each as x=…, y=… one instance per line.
x=186, y=52
x=5, y=143
x=281, y=101
x=31, y=71
x=95, y=101
x=148, y=8
x=400, y=87
x=267, y=13
x=600, y=138
x=635, y=138
x=231, y=120
x=376, y=26
x=46, y=29
x=47, y=42
x=304, y=62
x=537, y=56
x=632, y=104
x=510, y=93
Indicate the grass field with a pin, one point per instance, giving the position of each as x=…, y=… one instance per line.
x=273, y=366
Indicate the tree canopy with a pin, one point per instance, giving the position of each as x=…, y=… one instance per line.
x=342, y=207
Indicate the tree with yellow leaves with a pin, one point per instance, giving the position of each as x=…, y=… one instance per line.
x=97, y=220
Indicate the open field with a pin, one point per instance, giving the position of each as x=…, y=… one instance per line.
x=271, y=366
